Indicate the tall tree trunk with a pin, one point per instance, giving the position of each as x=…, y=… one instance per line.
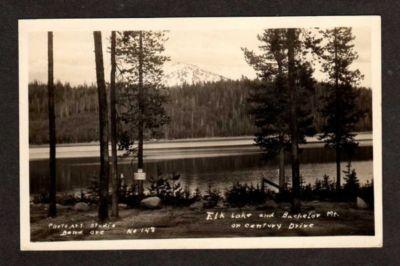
x=141, y=110
x=103, y=123
x=293, y=113
x=52, y=128
x=282, y=180
x=113, y=131
x=337, y=126
x=338, y=171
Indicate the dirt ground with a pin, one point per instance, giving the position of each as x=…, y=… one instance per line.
x=316, y=219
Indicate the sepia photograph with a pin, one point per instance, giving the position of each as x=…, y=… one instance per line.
x=200, y=133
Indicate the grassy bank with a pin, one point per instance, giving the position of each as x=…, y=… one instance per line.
x=187, y=222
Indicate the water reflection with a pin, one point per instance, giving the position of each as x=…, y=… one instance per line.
x=218, y=171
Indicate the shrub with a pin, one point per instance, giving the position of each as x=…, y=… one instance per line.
x=92, y=195
x=211, y=198
x=307, y=192
x=129, y=197
x=351, y=187
x=240, y=195
x=325, y=189
x=366, y=192
x=68, y=199
x=171, y=192
x=42, y=197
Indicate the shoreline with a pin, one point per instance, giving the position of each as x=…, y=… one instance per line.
x=229, y=145
x=366, y=135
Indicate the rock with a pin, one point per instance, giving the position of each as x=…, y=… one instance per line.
x=208, y=204
x=220, y=204
x=39, y=205
x=122, y=205
x=271, y=204
x=361, y=204
x=151, y=203
x=296, y=205
x=285, y=205
x=81, y=206
x=198, y=205
x=62, y=207
x=36, y=199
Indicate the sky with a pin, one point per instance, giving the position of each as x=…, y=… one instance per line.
x=218, y=51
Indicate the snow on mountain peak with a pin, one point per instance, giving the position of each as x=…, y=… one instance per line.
x=177, y=73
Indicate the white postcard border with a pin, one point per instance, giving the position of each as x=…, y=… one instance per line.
x=26, y=26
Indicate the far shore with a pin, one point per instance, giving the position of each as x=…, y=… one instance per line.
x=229, y=144
x=361, y=136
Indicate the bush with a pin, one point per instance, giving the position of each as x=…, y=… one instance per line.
x=240, y=195
x=324, y=190
x=93, y=191
x=171, y=192
x=366, y=192
x=351, y=187
x=212, y=198
x=68, y=199
x=128, y=196
x=307, y=192
x=42, y=197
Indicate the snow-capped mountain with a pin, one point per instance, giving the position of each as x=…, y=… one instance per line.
x=177, y=73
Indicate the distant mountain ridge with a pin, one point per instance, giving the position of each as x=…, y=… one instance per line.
x=178, y=73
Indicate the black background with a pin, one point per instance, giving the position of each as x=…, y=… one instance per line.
x=11, y=11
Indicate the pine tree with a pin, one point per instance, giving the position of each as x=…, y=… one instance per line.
x=140, y=59
x=268, y=98
x=278, y=101
x=339, y=102
x=103, y=124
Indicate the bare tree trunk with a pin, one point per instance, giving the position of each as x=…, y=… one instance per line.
x=293, y=114
x=52, y=128
x=103, y=122
x=113, y=133
x=282, y=180
x=141, y=110
x=337, y=133
x=338, y=171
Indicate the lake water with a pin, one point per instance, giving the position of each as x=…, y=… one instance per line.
x=215, y=168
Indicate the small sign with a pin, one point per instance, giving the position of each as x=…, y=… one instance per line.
x=139, y=175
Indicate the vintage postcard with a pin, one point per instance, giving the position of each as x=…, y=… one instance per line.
x=200, y=133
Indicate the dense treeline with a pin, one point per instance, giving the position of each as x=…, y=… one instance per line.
x=208, y=110
x=76, y=111
x=195, y=111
